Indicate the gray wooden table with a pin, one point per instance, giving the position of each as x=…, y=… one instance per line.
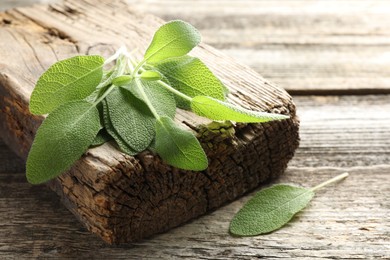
x=333, y=57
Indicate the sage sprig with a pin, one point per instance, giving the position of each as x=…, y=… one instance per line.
x=132, y=104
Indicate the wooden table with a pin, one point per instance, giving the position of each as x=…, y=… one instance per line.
x=334, y=58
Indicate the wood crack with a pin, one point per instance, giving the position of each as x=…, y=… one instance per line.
x=123, y=198
x=52, y=31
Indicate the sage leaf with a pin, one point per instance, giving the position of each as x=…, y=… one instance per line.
x=122, y=80
x=67, y=80
x=173, y=39
x=192, y=77
x=101, y=138
x=123, y=146
x=131, y=119
x=61, y=140
x=218, y=110
x=179, y=147
x=161, y=99
x=270, y=209
x=151, y=75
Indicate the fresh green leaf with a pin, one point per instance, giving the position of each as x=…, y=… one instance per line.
x=61, y=140
x=131, y=119
x=137, y=100
x=179, y=147
x=161, y=99
x=122, y=80
x=101, y=138
x=123, y=146
x=192, y=77
x=151, y=75
x=218, y=110
x=270, y=209
x=67, y=80
x=173, y=39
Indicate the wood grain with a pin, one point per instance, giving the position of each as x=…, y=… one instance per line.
x=306, y=47
x=335, y=131
x=124, y=198
x=343, y=131
x=348, y=220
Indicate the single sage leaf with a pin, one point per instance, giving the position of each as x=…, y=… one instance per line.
x=150, y=75
x=161, y=99
x=122, y=80
x=123, y=146
x=101, y=138
x=61, y=140
x=218, y=110
x=192, y=77
x=131, y=119
x=173, y=39
x=270, y=209
x=67, y=80
x=179, y=147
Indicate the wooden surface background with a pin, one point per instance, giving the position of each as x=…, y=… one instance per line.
x=333, y=56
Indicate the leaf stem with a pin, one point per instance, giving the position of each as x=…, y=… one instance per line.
x=165, y=85
x=137, y=68
x=104, y=95
x=120, y=51
x=337, y=178
x=146, y=99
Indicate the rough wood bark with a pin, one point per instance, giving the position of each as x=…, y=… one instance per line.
x=332, y=134
x=348, y=220
x=123, y=198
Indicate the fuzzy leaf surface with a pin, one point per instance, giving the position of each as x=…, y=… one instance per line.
x=61, y=140
x=218, y=110
x=270, y=209
x=101, y=138
x=179, y=147
x=162, y=100
x=150, y=75
x=67, y=80
x=123, y=146
x=173, y=39
x=192, y=77
x=131, y=119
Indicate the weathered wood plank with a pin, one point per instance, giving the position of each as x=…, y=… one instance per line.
x=321, y=47
x=335, y=131
x=8, y=4
x=125, y=198
x=348, y=220
x=9, y=162
x=341, y=131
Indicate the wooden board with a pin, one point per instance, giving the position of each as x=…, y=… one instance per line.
x=346, y=220
x=349, y=220
x=124, y=198
x=343, y=131
x=306, y=47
